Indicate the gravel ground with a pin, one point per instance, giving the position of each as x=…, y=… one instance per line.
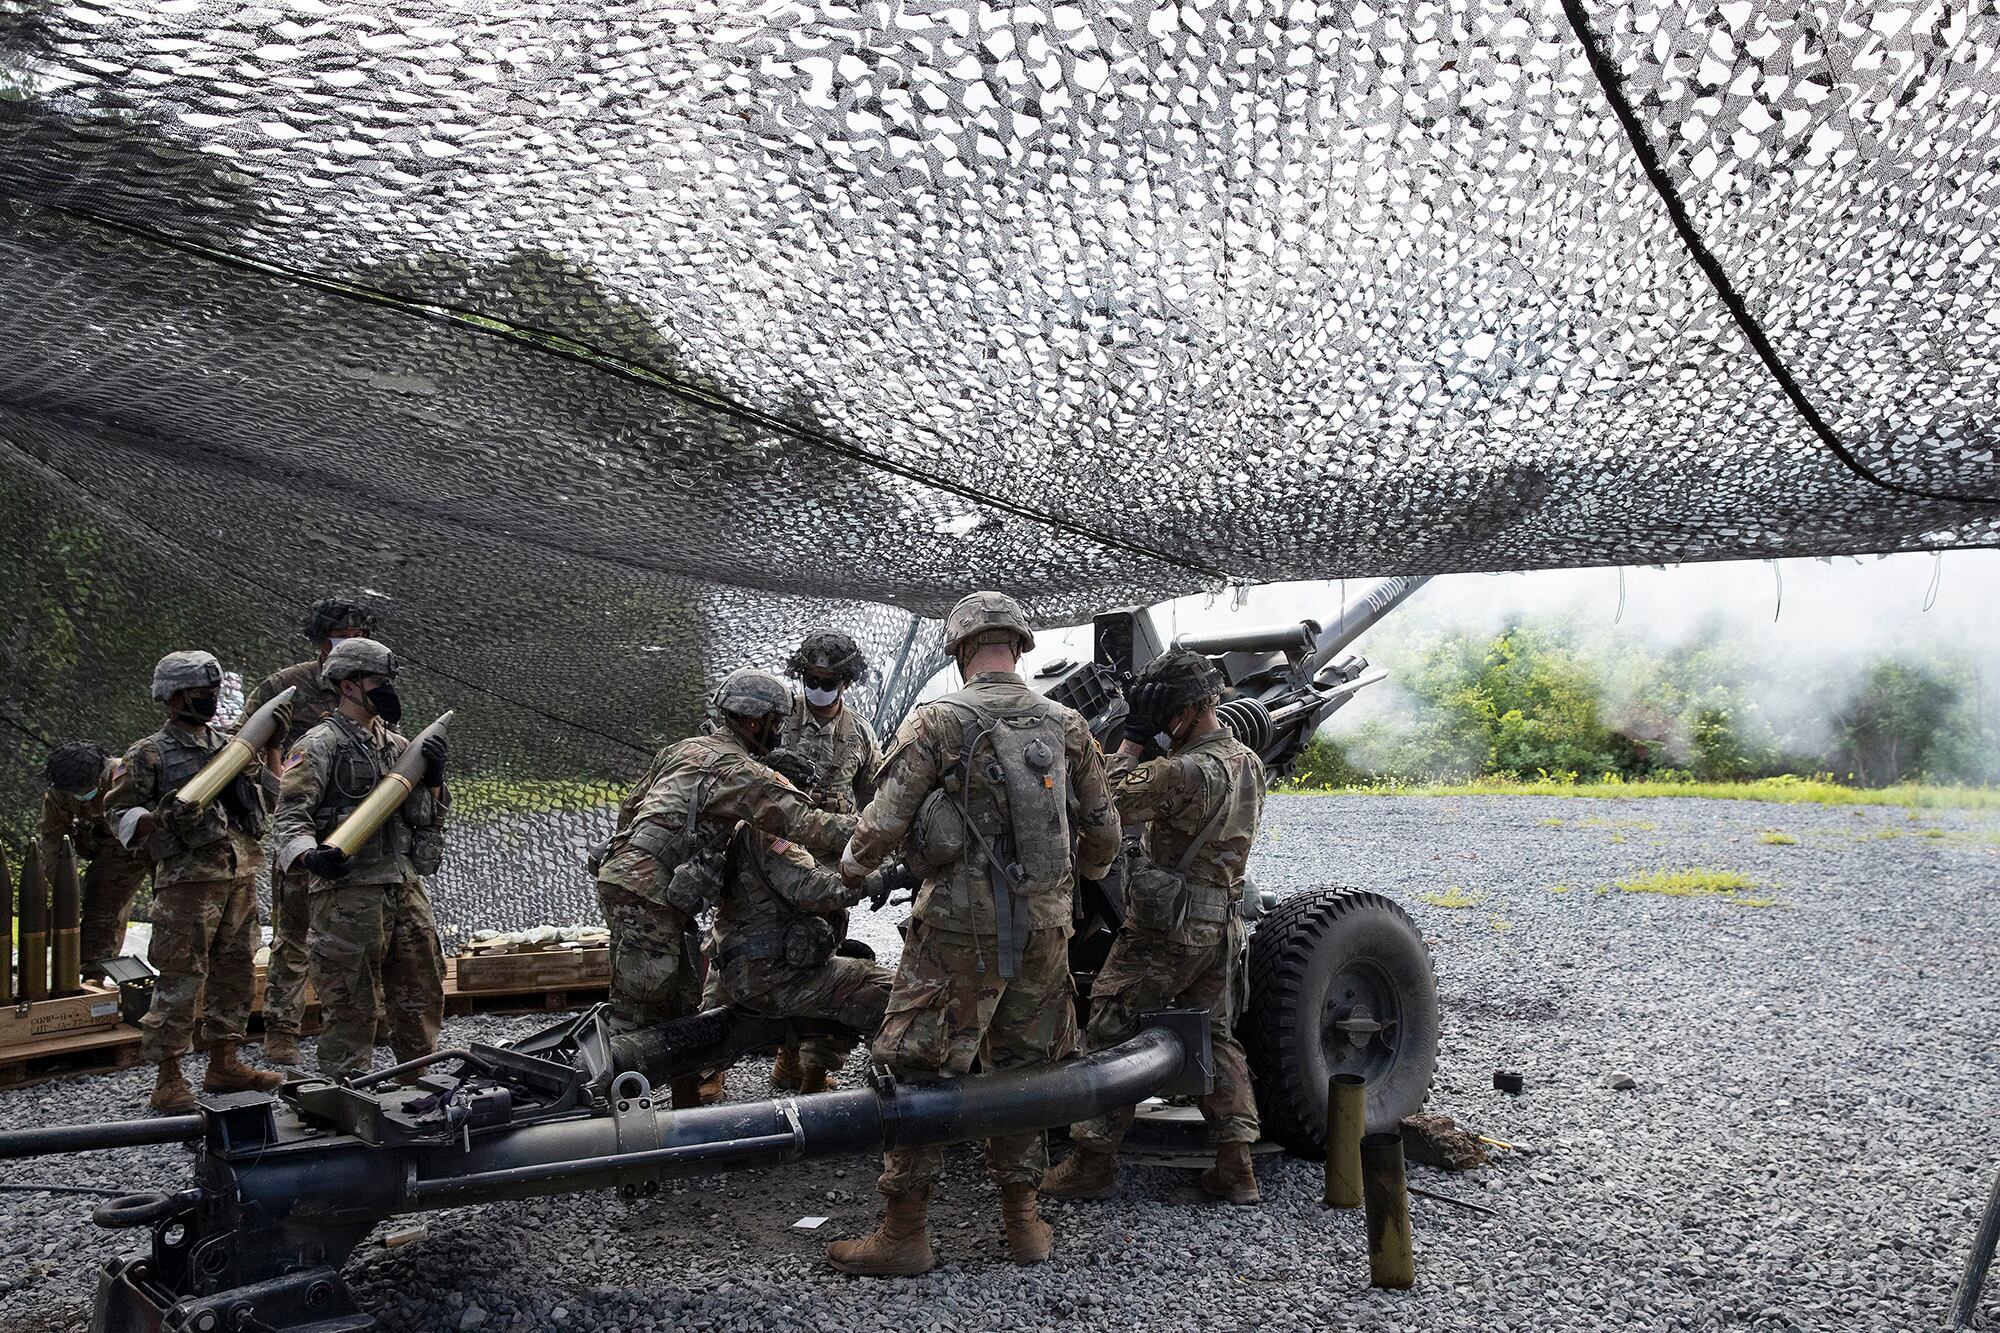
x=1808, y=1145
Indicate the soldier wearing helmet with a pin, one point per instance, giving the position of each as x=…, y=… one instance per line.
x=327, y=622
x=205, y=862
x=838, y=745
x=373, y=941
x=661, y=868
x=79, y=777
x=1001, y=795
x=1182, y=942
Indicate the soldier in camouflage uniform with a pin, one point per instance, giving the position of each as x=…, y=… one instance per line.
x=991, y=784
x=80, y=775
x=374, y=945
x=840, y=747
x=1201, y=802
x=328, y=621
x=205, y=861
x=781, y=917
x=657, y=873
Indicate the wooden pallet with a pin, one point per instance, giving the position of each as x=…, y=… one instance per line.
x=98, y=1052
x=458, y=1003
x=532, y=970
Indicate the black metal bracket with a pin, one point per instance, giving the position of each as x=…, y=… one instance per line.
x=1197, y=1076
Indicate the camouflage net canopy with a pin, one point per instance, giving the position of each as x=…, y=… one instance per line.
x=607, y=346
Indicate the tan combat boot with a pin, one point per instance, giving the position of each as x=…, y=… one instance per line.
x=1087, y=1173
x=712, y=1089
x=281, y=1048
x=1231, y=1179
x=785, y=1071
x=226, y=1073
x=814, y=1079
x=171, y=1093
x=1029, y=1239
x=899, y=1247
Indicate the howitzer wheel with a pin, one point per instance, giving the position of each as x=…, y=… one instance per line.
x=1340, y=983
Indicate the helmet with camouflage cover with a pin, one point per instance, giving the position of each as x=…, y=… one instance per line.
x=75, y=766
x=986, y=617
x=357, y=657
x=830, y=652
x=1183, y=679
x=796, y=766
x=330, y=614
x=190, y=669
x=754, y=704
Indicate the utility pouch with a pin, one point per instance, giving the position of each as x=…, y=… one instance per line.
x=696, y=883
x=594, y=856
x=426, y=850
x=937, y=835
x=1159, y=900
x=809, y=942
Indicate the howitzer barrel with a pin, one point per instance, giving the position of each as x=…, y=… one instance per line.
x=1297, y=636
x=251, y=739
x=67, y=928
x=1360, y=616
x=394, y=788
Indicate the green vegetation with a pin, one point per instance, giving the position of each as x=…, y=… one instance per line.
x=1559, y=707
x=1773, y=838
x=1731, y=886
x=1453, y=897
x=1784, y=789
x=489, y=798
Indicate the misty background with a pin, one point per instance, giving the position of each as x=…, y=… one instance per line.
x=1871, y=670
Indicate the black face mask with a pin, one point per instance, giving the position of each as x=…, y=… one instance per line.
x=386, y=703
x=196, y=709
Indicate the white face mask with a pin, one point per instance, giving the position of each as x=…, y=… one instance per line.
x=822, y=698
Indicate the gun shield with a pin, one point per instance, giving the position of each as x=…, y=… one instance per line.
x=388, y=794
x=67, y=976
x=34, y=927
x=250, y=740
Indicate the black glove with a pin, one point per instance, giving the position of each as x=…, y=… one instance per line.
x=888, y=881
x=326, y=862
x=281, y=720
x=238, y=797
x=1148, y=716
x=435, y=750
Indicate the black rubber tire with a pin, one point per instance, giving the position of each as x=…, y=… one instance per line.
x=1297, y=952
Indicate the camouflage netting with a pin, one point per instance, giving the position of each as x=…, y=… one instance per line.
x=605, y=347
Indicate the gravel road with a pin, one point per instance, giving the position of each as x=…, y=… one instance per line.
x=1808, y=1145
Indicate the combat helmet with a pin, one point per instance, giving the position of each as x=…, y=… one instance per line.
x=331, y=613
x=754, y=704
x=986, y=617
x=190, y=669
x=75, y=766
x=357, y=657
x=831, y=652
x=1181, y=679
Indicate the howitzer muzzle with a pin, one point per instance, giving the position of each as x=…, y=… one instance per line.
x=388, y=795
x=251, y=739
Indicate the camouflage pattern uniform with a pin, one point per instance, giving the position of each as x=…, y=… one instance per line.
x=695, y=794
x=291, y=890
x=204, y=891
x=774, y=941
x=1201, y=962
x=951, y=1002
x=844, y=750
x=112, y=879
x=374, y=945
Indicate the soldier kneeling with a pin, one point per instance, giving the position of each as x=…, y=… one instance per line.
x=776, y=931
